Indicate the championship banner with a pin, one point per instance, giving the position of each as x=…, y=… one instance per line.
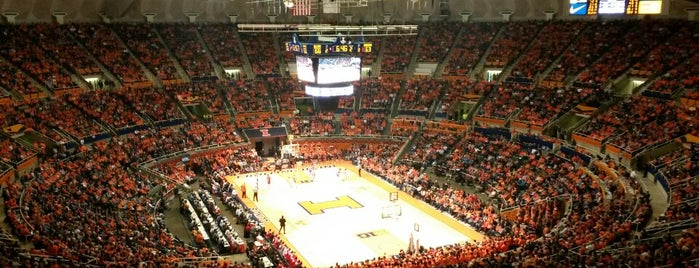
x=265, y=132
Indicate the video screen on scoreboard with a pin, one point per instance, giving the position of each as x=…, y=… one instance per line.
x=612, y=7
x=304, y=69
x=333, y=70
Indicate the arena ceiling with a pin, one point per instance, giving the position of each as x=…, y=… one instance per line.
x=257, y=11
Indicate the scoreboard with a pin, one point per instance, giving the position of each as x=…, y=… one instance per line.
x=628, y=7
x=340, y=46
x=322, y=49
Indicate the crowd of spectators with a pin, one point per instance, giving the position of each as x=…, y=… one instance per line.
x=145, y=43
x=107, y=107
x=150, y=102
x=258, y=120
x=319, y=124
x=378, y=93
x=420, y=94
x=404, y=127
x=58, y=45
x=639, y=121
x=13, y=79
x=638, y=41
x=394, y=58
x=12, y=152
x=284, y=89
x=223, y=43
x=355, y=123
x=184, y=43
x=503, y=101
x=681, y=77
x=544, y=105
x=462, y=90
x=264, y=58
x=206, y=93
x=104, y=44
x=346, y=103
x=591, y=44
x=23, y=51
x=551, y=41
x=62, y=115
x=470, y=46
x=668, y=54
x=512, y=41
x=436, y=41
x=248, y=96
x=428, y=147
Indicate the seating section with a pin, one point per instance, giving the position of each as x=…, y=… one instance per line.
x=378, y=93
x=151, y=102
x=321, y=124
x=102, y=42
x=394, y=58
x=512, y=41
x=145, y=43
x=65, y=117
x=544, y=105
x=470, y=46
x=248, y=96
x=12, y=152
x=14, y=79
x=362, y=124
x=504, y=100
x=404, y=127
x=205, y=93
x=369, y=59
x=285, y=89
x=258, y=120
x=223, y=42
x=437, y=40
x=462, y=90
x=638, y=41
x=264, y=58
x=57, y=44
x=681, y=76
x=32, y=59
x=108, y=108
x=637, y=122
x=551, y=41
x=420, y=94
x=184, y=43
x=592, y=43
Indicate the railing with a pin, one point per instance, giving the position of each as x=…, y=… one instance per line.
x=335, y=136
x=664, y=227
x=151, y=162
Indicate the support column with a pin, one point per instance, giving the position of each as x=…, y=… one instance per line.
x=465, y=16
x=150, y=16
x=348, y=18
x=105, y=18
x=60, y=16
x=549, y=14
x=233, y=18
x=311, y=18
x=272, y=18
x=10, y=16
x=387, y=17
x=192, y=17
x=506, y=14
x=692, y=14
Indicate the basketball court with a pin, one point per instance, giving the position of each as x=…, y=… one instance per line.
x=335, y=216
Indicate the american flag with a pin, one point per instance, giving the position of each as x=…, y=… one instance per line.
x=301, y=8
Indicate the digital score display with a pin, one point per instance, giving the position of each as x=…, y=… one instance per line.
x=628, y=7
x=324, y=49
x=612, y=7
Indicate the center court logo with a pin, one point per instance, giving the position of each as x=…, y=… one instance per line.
x=315, y=208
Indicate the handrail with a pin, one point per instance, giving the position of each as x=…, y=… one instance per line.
x=151, y=162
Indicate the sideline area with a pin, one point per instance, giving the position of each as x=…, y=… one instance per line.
x=337, y=216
